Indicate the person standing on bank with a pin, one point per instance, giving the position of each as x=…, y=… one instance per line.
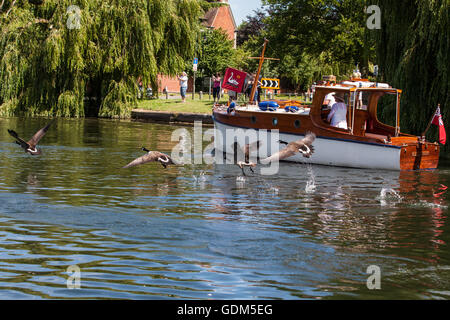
x=248, y=91
x=183, y=85
x=141, y=89
x=216, y=86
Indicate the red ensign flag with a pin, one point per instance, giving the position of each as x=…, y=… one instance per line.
x=437, y=120
x=234, y=80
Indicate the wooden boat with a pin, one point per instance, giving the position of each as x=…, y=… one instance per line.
x=366, y=143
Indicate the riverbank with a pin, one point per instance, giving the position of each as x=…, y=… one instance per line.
x=171, y=117
x=174, y=111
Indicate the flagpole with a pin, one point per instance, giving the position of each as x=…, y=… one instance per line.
x=432, y=117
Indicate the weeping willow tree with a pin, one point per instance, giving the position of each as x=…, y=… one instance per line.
x=73, y=58
x=413, y=54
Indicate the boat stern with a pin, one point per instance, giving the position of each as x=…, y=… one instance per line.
x=419, y=156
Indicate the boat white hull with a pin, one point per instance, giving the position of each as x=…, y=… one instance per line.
x=328, y=151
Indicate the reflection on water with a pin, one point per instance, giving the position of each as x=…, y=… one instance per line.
x=206, y=231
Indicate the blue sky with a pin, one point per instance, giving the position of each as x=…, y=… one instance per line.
x=242, y=8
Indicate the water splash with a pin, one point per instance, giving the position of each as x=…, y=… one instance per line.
x=200, y=180
x=274, y=190
x=389, y=195
x=240, y=181
x=311, y=183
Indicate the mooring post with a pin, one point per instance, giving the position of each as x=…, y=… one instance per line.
x=166, y=91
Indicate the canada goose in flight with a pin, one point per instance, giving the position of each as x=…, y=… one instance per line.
x=243, y=153
x=30, y=146
x=151, y=156
x=303, y=146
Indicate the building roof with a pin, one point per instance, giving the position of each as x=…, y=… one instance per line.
x=211, y=15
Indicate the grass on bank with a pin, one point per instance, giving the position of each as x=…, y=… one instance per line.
x=175, y=105
x=192, y=106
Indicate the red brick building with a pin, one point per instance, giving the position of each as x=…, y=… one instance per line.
x=222, y=18
x=217, y=18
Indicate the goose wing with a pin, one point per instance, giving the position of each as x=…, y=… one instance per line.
x=305, y=145
x=307, y=140
x=149, y=157
x=287, y=152
x=238, y=151
x=19, y=140
x=251, y=147
x=242, y=153
x=38, y=135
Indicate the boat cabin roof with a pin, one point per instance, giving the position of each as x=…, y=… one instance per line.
x=360, y=84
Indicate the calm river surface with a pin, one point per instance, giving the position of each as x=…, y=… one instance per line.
x=205, y=231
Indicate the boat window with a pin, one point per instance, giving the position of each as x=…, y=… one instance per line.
x=329, y=100
x=275, y=121
x=297, y=123
x=253, y=119
x=386, y=110
x=362, y=100
x=340, y=96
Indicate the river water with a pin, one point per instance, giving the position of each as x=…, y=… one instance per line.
x=73, y=224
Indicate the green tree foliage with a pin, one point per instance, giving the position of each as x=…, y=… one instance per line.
x=53, y=55
x=315, y=37
x=413, y=55
x=216, y=52
x=254, y=25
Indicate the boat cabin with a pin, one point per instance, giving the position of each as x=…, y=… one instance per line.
x=361, y=98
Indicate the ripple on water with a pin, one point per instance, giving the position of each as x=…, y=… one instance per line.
x=206, y=231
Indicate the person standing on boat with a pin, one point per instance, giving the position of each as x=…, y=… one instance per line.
x=183, y=85
x=338, y=114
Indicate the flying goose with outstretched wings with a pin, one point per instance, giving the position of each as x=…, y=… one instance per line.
x=151, y=156
x=30, y=146
x=303, y=146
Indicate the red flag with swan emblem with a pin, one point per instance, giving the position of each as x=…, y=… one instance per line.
x=437, y=120
x=234, y=80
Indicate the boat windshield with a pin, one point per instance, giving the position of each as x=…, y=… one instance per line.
x=362, y=99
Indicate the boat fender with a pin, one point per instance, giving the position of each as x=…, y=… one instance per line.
x=291, y=108
x=268, y=105
x=231, y=107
